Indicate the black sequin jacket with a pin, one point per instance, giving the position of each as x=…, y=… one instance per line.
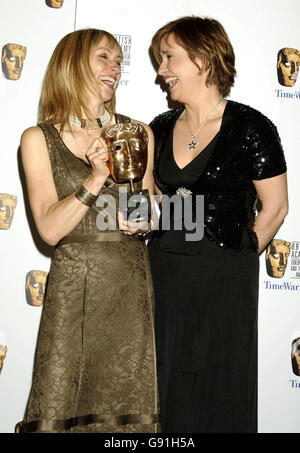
x=248, y=148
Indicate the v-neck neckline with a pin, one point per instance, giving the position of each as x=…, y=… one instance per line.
x=215, y=138
x=217, y=135
x=68, y=149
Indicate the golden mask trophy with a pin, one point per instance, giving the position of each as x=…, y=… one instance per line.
x=127, y=145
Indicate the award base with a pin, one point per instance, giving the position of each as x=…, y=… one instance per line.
x=136, y=206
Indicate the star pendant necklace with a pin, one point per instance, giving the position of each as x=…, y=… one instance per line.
x=193, y=144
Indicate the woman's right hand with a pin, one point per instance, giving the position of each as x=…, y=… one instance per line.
x=56, y=218
x=97, y=155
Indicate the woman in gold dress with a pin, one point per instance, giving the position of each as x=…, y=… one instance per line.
x=95, y=362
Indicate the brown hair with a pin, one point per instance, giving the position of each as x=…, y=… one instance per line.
x=206, y=39
x=68, y=75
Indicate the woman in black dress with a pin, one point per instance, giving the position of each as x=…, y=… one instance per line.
x=207, y=290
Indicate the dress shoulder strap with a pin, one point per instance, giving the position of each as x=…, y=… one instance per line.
x=49, y=137
x=122, y=118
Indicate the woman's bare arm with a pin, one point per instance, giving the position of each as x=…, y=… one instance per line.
x=55, y=219
x=273, y=195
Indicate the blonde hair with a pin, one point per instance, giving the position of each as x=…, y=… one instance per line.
x=68, y=77
x=206, y=39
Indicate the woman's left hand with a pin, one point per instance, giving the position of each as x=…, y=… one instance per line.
x=130, y=228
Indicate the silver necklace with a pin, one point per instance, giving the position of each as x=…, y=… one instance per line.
x=193, y=144
x=87, y=124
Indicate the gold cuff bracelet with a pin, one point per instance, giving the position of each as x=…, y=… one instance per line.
x=85, y=197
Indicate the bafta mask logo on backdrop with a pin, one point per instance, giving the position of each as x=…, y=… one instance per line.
x=288, y=62
x=35, y=287
x=8, y=204
x=3, y=351
x=295, y=356
x=54, y=3
x=277, y=254
x=13, y=56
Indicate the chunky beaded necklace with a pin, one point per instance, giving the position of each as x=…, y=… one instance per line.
x=87, y=124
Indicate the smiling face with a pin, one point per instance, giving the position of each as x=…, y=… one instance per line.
x=288, y=66
x=13, y=56
x=180, y=73
x=277, y=255
x=127, y=151
x=105, y=64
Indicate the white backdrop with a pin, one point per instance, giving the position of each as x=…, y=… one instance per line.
x=258, y=30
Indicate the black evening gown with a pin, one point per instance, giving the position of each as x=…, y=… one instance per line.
x=206, y=322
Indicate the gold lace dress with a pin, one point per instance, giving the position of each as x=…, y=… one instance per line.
x=95, y=368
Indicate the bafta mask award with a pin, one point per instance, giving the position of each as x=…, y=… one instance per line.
x=127, y=145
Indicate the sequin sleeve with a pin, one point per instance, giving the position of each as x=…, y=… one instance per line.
x=267, y=156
